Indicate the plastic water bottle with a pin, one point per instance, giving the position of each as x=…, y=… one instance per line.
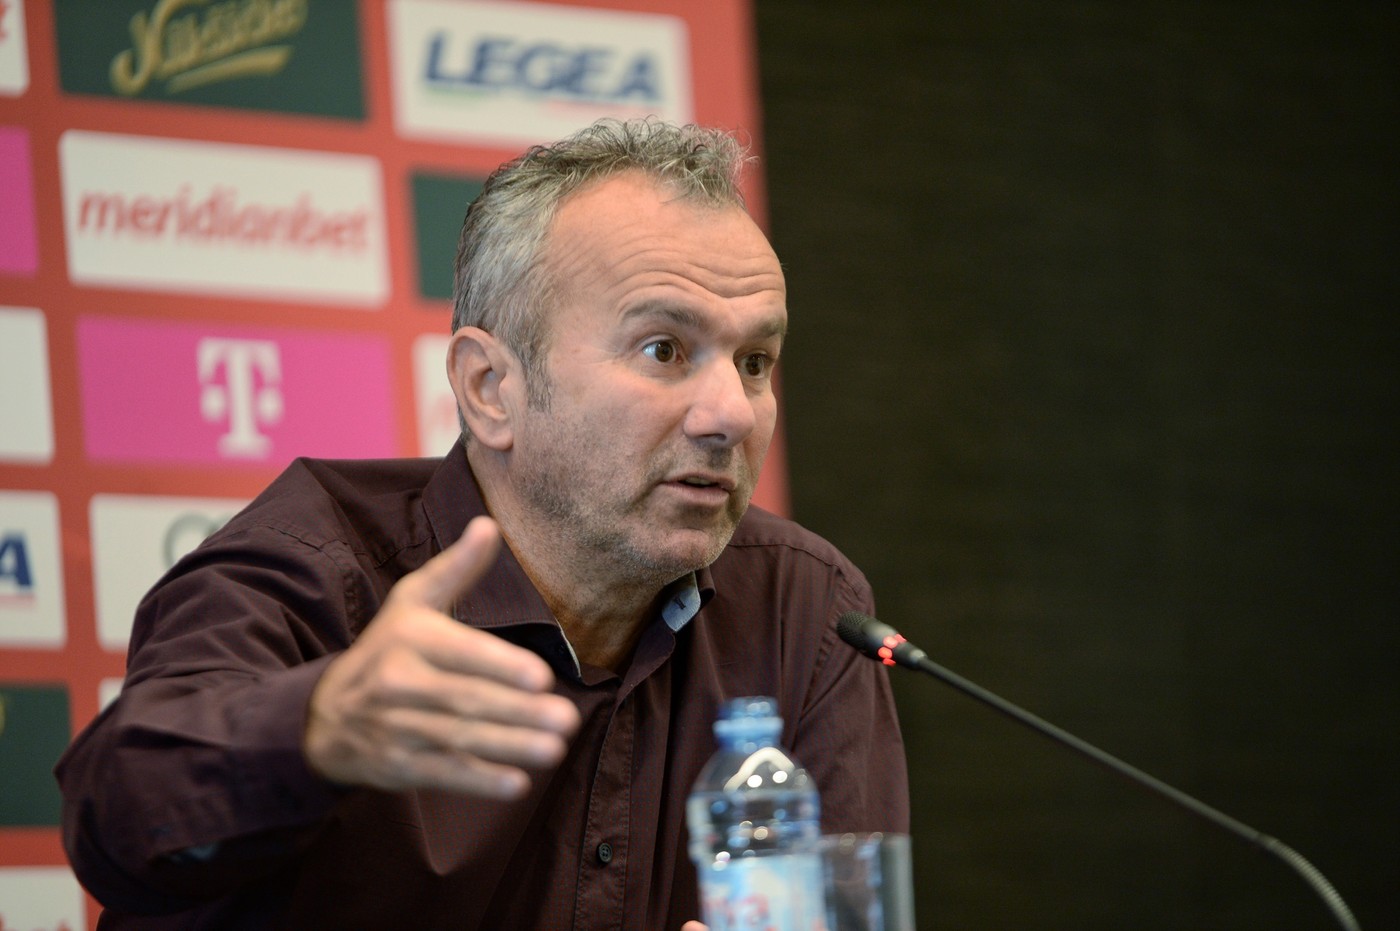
x=754, y=819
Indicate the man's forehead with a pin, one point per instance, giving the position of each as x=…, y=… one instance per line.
x=773, y=324
x=631, y=217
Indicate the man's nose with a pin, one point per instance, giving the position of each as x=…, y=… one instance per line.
x=722, y=411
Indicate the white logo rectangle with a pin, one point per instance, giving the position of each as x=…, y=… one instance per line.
x=438, y=427
x=525, y=73
x=14, y=54
x=250, y=221
x=26, y=408
x=31, y=575
x=46, y=897
x=135, y=539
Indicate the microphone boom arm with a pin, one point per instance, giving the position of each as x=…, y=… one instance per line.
x=880, y=642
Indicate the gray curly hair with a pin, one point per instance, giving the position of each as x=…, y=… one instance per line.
x=500, y=280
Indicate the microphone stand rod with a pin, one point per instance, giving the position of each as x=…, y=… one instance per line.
x=1273, y=845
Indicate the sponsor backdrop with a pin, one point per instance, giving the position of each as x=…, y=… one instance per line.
x=226, y=234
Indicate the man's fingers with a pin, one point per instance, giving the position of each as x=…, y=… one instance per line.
x=438, y=582
x=470, y=777
x=422, y=700
x=417, y=632
x=437, y=733
x=468, y=682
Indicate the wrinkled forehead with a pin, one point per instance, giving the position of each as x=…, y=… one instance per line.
x=664, y=189
x=635, y=218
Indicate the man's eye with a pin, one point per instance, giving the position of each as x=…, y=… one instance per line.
x=663, y=350
x=758, y=364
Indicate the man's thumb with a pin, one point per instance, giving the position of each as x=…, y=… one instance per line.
x=439, y=581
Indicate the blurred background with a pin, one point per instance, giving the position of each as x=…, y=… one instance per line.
x=1093, y=371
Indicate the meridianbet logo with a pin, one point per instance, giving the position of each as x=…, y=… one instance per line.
x=286, y=55
x=254, y=221
x=225, y=40
x=220, y=213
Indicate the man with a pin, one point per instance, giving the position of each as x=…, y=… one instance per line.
x=346, y=710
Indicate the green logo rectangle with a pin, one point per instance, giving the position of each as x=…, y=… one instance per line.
x=439, y=205
x=290, y=56
x=34, y=725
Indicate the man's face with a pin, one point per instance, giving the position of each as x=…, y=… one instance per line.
x=667, y=321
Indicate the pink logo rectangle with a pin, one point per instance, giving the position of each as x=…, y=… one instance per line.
x=19, y=251
x=183, y=393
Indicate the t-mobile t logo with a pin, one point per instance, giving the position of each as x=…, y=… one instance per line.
x=249, y=395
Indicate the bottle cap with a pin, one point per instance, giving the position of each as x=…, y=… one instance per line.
x=751, y=719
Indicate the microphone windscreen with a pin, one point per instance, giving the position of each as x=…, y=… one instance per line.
x=851, y=626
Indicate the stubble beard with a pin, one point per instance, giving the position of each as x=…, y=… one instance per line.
x=578, y=531
x=609, y=531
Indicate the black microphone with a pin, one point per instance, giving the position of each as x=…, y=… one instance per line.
x=883, y=643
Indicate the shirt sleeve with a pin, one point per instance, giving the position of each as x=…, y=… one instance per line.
x=193, y=782
x=848, y=736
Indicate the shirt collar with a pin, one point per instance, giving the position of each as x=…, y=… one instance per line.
x=682, y=601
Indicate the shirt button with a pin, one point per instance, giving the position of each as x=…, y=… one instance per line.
x=605, y=853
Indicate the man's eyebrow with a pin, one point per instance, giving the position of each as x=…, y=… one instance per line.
x=680, y=316
x=685, y=317
x=772, y=326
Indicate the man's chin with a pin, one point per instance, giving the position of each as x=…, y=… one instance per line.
x=689, y=551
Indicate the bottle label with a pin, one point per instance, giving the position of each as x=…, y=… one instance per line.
x=772, y=893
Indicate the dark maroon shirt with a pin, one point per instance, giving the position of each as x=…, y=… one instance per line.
x=188, y=803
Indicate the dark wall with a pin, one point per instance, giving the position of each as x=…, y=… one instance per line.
x=1093, y=369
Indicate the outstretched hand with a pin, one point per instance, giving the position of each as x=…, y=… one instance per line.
x=420, y=700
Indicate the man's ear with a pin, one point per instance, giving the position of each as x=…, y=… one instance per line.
x=483, y=373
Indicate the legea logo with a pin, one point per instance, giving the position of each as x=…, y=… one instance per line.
x=135, y=539
x=262, y=54
x=14, y=55
x=26, y=413
x=19, y=252
x=31, y=576
x=177, y=393
x=243, y=220
x=519, y=73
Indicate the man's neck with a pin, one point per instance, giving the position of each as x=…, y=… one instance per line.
x=601, y=611
x=603, y=620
